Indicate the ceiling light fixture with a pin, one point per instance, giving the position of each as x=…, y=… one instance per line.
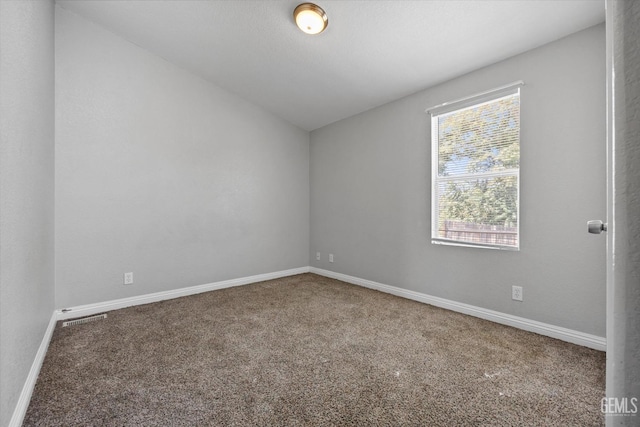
x=310, y=18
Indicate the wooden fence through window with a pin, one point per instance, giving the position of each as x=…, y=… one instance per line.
x=479, y=233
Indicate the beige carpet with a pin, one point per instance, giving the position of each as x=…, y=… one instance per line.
x=310, y=351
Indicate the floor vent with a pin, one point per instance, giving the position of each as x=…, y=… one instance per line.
x=84, y=320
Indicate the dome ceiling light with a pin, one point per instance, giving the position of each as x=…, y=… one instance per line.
x=310, y=18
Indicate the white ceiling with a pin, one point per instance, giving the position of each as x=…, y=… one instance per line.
x=371, y=53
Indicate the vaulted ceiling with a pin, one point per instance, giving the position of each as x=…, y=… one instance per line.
x=371, y=53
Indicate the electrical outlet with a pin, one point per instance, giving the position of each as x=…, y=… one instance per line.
x=330, y=257
x=516, y=293
x=318, y=256
x=128, y=278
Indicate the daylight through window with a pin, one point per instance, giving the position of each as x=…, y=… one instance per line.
x=475, y=170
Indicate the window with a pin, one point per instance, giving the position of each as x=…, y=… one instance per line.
x=475, y=146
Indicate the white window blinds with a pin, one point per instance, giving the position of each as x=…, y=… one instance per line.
x=475, y=170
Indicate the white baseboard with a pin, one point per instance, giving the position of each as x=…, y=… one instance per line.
x=564, y=334
x=25, y=395
x=89, y=309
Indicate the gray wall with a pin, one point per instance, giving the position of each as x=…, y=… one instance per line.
x=26, y=190
x=165, y=175
x=370, y=192
x=623, y=337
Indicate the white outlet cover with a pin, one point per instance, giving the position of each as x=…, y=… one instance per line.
x=516, y=293
x=128, y=278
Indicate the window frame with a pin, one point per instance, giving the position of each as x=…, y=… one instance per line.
x=461, y=104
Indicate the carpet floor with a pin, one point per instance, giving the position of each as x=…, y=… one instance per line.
x=310, y=351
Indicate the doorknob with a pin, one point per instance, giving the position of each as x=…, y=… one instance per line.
x=596, y=226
